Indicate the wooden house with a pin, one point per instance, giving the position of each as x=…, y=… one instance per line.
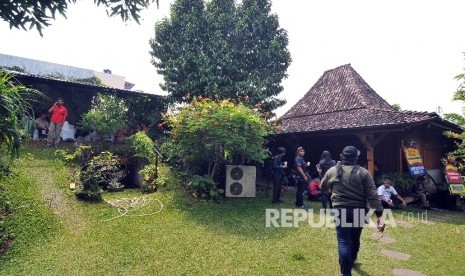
x=342, y=109
x=76, y=95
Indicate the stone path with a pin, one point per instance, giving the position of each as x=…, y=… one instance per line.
x=58, y=201
x=426, y=218
x=406, y=272
x=382, y=238
x=427, y=222
x=404, y=224
x=396, y=255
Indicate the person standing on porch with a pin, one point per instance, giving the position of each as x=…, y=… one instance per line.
x=59, y=114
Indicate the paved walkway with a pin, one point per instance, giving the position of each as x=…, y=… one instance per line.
x=428, y=218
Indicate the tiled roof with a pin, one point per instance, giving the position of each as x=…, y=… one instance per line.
x=355, y=118
x=100, y=88
x=341, y=99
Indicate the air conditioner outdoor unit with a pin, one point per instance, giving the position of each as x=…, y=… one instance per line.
x=240, y=181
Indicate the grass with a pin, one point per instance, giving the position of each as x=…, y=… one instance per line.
x=54, y=234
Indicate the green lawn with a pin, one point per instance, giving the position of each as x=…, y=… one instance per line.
x=54, y=234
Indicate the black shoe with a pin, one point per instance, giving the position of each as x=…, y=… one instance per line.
x=280, y=201
x=275, y=202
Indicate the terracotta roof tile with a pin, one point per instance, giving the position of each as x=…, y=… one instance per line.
x=341, y=99
x=354, y=118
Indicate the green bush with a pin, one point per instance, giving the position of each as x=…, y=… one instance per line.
x=4, y=167
x=147, y=110
x=206, y=135
x=204, y=187
x=102, y=172
x=89, y=189
x=80, y=156
x=149, y=178
x=142, y=145
x=106, y=116
x=14, y=105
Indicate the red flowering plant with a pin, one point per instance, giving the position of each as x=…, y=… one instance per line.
x=206, y=134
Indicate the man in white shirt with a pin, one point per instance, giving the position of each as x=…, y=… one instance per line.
x=389, y=196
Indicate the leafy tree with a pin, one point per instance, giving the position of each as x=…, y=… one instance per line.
x=14, y=105
x=459, y=119
x=36, y=13
x=222, y=51
x=106, y=116
x=148, y=111
x=208, y=133
x=396, y=107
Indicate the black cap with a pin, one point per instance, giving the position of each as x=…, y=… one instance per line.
x=281, y=150
x=350, y=152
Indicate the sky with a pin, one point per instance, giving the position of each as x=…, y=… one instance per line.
x=408, y=51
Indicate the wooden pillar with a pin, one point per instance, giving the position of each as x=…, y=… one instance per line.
x=369, y=142
x=370, y=158
x=401, y=159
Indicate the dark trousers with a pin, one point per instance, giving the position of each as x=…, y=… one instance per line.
x=276, y=186
x=323, y=197
x=299, y=194
x=397, y=203
x=348, y=240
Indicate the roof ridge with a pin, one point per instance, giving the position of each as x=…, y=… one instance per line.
x=351, y=109
x=340, y=88
x=320, y=113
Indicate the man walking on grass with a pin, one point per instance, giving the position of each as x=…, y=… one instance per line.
x=352, y=188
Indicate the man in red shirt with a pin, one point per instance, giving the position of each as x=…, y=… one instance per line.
x=59, y=114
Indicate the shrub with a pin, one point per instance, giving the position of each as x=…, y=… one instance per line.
x=89, y=189
x=143, y=148
x=14, y=105
x=102, y=171
x=142, y=145
x=149, y=178
x=80, y=156
x=4, y=167
x=216, y=133
x=147, y=110
x=106, y=170
x=204, y=187
x=106, y=116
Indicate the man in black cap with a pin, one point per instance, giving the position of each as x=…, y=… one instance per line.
x=352, y=187
x=278, y=174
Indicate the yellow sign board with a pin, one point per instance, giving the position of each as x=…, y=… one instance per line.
x=457, y=189
x=414, y=161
